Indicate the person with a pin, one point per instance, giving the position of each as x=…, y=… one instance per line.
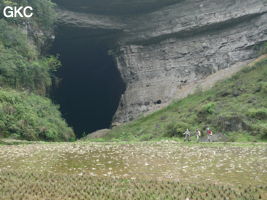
x=198, y=134
x=187, y=135
x=209, y=133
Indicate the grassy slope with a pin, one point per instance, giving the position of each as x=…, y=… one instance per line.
x=28, y=116
x=236, y=107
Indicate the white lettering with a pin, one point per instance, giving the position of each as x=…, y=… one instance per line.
x=8, y=12
x=18, y=12
x=25, y=12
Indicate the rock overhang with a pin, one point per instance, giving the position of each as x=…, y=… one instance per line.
x=115, y=7
x=176, y=20
x=157, y=50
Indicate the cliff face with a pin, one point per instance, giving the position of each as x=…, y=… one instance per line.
x=181, y=42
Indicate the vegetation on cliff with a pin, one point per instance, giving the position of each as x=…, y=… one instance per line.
x=28, y=116
x=236, y=107
x=26, y=75
x=44, y=13
x=21, y=66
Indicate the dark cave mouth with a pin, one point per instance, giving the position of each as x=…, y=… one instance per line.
x=90, y=85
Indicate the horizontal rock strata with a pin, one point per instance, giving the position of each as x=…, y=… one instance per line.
x=160, y=51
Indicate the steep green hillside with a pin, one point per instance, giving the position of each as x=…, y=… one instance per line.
x=236, y=107
x=26, y=75
x=31, y=117
x=21, y=64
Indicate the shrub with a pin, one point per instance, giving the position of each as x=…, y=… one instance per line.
x=176, y=129
x=31, y=117
x=260, y=129
x=264, y=87
x=12, y=38
x=209, y=108
x=171, y=130
x=45, y=12
x=260, y=113
x=263, y=131
x=230, y=122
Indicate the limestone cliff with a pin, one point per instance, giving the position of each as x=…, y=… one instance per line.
x=161, y=49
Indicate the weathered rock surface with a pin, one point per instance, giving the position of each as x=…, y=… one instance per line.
x=191, y=17
x=92, y=21
x=159, y=52
x=115, y=7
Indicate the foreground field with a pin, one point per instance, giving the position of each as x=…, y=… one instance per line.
x=155, y=170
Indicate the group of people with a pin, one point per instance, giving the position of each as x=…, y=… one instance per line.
x=187, y=135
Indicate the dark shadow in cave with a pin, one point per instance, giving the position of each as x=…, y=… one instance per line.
x=91, y=85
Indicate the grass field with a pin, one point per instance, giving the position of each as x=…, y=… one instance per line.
x=143, y=170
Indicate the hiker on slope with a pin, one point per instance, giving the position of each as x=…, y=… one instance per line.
x=198, y=134
x=187, y=135
x=209, y=133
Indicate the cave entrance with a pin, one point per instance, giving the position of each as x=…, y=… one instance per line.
x=90, y=84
